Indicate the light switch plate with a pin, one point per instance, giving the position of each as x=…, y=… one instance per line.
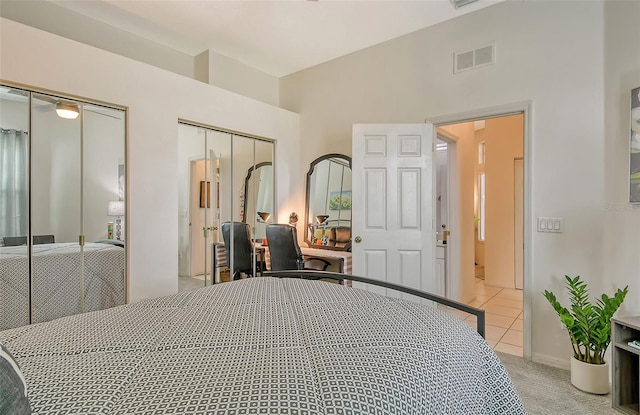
x=552, y=225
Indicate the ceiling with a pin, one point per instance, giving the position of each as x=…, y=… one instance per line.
x=275, y=37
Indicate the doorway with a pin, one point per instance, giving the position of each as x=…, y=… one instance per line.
x=488, y=160
x=199, y=212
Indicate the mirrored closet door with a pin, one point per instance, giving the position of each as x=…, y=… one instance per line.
x=218, y=195
x=61, y=206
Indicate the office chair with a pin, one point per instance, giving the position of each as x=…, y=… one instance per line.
x=242, y=248
x=22, y=240
x=285, y=252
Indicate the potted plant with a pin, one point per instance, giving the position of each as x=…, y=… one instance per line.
x=589, y=327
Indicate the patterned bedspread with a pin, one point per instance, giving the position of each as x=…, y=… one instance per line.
x=56, y=281
x=262, y=346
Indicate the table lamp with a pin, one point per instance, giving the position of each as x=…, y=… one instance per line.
x=263, y=216
x=116, y=208
x=322, y=218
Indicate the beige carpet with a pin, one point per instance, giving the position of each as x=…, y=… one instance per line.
x=546, y=390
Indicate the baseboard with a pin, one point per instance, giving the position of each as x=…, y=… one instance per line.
x=551, y=361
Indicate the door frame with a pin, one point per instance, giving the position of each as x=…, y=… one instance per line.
x=193, y=165
x=525, y=108
x=452, y=261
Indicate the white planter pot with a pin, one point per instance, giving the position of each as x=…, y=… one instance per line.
x=590, y=378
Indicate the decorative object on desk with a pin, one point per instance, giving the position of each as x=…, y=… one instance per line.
x=589, y=327
x=263, y=217
x=205, y=194
x=109, y=230
x=317, y=233
x=116, y=208
x=293, y=219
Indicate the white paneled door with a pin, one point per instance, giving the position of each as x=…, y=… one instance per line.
x=393, y=209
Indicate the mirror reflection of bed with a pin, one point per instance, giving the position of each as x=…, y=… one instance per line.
x=55, y=206
x=328, y=203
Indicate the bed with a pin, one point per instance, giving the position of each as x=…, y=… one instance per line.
x=262, y=345
x=56, y=281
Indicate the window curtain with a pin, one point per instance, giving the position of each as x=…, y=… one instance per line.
x=14, y=192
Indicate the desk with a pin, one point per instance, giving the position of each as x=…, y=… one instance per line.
x=219, y=257
x=343, y=257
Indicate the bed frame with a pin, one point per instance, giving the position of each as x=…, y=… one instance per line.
x=343, y=278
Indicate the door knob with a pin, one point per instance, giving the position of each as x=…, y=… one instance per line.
x=358, y=239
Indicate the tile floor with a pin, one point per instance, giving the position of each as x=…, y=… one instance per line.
x=503, y=317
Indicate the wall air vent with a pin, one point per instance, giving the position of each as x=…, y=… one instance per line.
x=460, y=3
x=470, y=59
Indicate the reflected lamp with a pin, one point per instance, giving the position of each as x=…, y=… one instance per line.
x=263, y=217
x=321, y=219
x=68, y=111
x=116, y=208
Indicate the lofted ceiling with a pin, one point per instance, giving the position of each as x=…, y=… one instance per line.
x=275, y=37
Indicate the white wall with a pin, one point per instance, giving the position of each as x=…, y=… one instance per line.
x=461, y=276
x=548, y=53
x=58, y=19
x=503, y=139
x=190, y=148
x=232, y=75
x=104, y=150
x=155, y=99
x=14, y=115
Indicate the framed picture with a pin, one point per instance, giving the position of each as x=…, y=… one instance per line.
x=340, y=200
x=205, y=194
x=634, y=148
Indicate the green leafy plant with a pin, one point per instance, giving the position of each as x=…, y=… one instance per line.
x=588, y=324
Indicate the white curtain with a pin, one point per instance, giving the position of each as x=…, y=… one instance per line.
x=14, y=192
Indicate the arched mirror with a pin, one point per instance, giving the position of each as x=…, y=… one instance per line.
x=328, y=205
x=258, y=197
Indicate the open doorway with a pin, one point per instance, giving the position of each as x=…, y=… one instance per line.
x=484, y=236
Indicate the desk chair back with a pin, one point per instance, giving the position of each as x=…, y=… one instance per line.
x=22, y=240
x=242, y=248
x=285, y=252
